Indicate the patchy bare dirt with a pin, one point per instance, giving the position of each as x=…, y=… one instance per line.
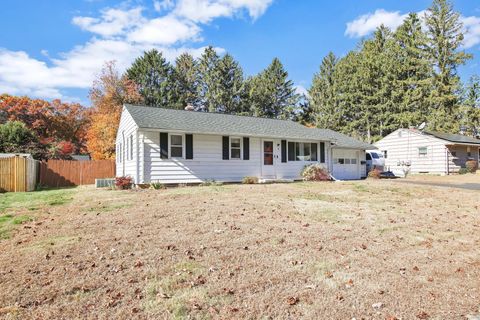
x=364, y=250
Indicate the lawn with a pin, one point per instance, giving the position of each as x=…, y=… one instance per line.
x=364, y=250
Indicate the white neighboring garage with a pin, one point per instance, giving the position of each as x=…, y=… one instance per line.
x=348, y=164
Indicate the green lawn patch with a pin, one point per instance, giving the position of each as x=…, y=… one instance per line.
x=8, y=223
x=35, y=200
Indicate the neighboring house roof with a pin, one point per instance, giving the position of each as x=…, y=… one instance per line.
x=455, y=138
x=11, y=155
x=227, y=124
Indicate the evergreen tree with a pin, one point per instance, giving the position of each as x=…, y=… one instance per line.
x=444, y=31
x=413, y=72
x=208, y=79
x=186, y=81
x=271, y=94
x=470, y=111
x=229, y=94
x=324, y=96
x=153, y=76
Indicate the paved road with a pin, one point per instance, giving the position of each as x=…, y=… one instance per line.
x=466, y=186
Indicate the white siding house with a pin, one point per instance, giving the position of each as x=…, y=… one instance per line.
x=176, y=146
x=427, y=152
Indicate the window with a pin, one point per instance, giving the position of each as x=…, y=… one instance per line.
x=176, y=146
x=369, y=157
x=131, y=146
x=454, y=153
x=302, y=151
x=375, y=155
x=235, y=148
x=347, y=161
x=385, y=154
x=341, y=161
x=469, y=152
x=353, y=161
x=422, y=151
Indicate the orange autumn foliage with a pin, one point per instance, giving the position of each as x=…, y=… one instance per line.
x=108, y=94
x=56, y=124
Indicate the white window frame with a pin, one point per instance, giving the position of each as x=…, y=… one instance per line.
x=130, y=147
x=303, y=149
x=230, y=148
x=170, y=145
x=421, y=154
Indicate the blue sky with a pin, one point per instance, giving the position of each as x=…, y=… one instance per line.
x=53, y=49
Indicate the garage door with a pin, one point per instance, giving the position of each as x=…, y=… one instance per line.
x=346, y=164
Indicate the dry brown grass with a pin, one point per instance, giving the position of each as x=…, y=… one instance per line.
x=284, y=251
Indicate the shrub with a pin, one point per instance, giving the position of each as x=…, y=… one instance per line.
x=463, y=171
x=471, y=166
x=374, y=174
x=315, y=172
x=123, y=183
x=156, y=185
x=250, y=180
x=210, y=183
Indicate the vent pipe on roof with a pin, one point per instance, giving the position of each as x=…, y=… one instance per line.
x=189, y=107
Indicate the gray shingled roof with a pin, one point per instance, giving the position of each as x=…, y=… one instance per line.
x=456, y=138
x=226, y=124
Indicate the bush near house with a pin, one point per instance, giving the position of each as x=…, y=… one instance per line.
x=250, y=180
x=374, y=174
x=315, y=172
x=123, y=183
x=471, y=166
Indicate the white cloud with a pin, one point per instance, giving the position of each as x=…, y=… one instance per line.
x=163, y=5
x=165, y=31
x=299, y=89
x=119, y=34
x=472, y=31
x=112, y=21
x=367, y=23
x=205, y=10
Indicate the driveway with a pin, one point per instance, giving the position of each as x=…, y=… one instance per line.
x=472, y=182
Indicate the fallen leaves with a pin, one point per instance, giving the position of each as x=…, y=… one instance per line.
x=423, y=315
x=292, y=300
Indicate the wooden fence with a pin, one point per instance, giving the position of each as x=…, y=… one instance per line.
x=18, y=174
x=65, y=173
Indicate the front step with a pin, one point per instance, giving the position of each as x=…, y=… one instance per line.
x=274, y=180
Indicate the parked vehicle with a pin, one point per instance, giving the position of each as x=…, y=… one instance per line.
x=375, y=160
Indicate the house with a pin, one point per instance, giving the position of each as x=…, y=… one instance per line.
x=427, y=152
x=180, y=146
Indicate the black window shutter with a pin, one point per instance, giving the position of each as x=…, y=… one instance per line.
x=284, y=150
x=225, y=147
x=322, y=152
x=163, y=145
x=189, y=146
x=314, y=151
x=291, y=151
x=246, y=148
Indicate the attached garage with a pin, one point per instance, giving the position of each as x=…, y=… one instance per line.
x=347, y=164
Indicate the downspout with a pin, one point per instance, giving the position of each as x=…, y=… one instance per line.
x=124, y=147
x=137, y=162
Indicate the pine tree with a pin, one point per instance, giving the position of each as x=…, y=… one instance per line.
x=413, y=72
x=271, y=94
x=186, y=81
x=444, y=31
x=470, y=111
x=324, y=96
x=208, y=78
x=229, y=95
x=153, y=76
